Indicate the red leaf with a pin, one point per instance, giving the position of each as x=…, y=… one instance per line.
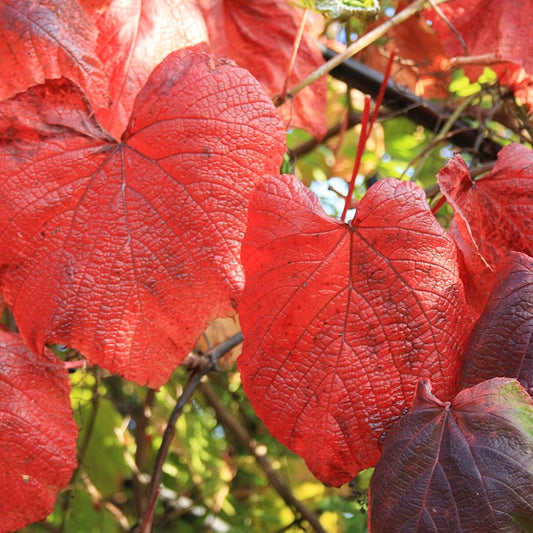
x=259, y=35
x=134, y=37
x=492, y=215
x=500, y=343
x=498, y=27
x=37, y=432
x=48, y=40
x=340, y=321
x=467, y=466
x=124, y=251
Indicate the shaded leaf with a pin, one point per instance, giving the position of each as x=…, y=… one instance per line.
x=134, y=37
x=340, y=321
x=501, y=28
x=501, y=341
x=37, y=432
x=492, y=215
x=259, y=35
x=464, y=466
x=103, y=242
x=420, y=65
x=48, y=40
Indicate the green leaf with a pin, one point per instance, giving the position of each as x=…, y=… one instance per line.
x=343, y=9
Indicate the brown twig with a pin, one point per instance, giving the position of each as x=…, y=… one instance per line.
x=212, y=357
x=428, y=114
x=228, y=420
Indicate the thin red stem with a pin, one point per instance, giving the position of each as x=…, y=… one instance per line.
x=381, y=93
x=360, y=150
x=366, y=128
x=435, y=209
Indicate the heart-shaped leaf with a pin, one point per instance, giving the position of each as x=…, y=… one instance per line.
x=501, y=341
x=37, y=433
x=341, y=320
x=464, y=466
x=126, y=250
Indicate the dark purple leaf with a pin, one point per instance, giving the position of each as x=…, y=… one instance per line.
x=460, y=466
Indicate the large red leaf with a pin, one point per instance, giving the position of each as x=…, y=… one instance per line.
x=493, y=215
x=501, y=341
x=125, y=251
x=134, y=37
x=37, y=432
x=259, y=35
x=467, y=466
x=340, y=321
x=48, y=40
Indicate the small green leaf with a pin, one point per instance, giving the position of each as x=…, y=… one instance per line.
x=343, y=9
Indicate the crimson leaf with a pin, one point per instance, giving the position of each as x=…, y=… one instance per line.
x=37, y=432
x=340, y=320
x=501, y=341
x=464, y=466
x=102, y=242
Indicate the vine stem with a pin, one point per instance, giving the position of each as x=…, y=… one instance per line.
x=440, y=202
x=367, y=124
x=365, y=131
x=365, y=40
x=212, y=358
